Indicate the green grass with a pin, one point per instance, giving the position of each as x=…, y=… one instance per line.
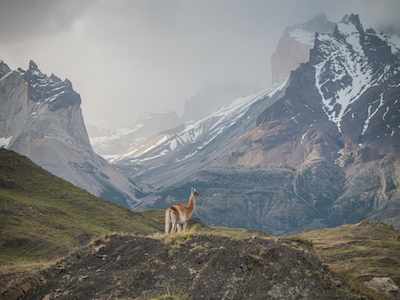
x=43, y=216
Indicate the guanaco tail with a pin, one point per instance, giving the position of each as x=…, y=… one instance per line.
x=178, y=215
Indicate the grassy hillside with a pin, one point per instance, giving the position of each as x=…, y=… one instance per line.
x=368, y=249
x=43, y=216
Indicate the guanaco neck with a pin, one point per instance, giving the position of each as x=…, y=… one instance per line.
x=191, y=204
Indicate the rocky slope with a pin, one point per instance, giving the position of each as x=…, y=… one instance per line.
x=324, y=152
x=41, y=118
x=202, y=266
x=111, y=143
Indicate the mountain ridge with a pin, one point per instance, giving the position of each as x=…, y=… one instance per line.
x=168, y=157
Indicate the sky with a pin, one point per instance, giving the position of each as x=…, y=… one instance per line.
x=127, y=57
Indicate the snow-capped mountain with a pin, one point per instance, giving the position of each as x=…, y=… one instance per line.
x=171, y=155
x=111, y=143
x=295, y=44
x=338, y=126
x=324, y=152
x=41, y=118
x=349, y=65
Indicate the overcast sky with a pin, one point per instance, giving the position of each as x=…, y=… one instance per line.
x=125, y=57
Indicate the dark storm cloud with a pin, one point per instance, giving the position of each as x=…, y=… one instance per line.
x=129, y=56
x=22, y=18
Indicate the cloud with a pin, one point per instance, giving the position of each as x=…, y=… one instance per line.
x=24, y=18
x=127, y=57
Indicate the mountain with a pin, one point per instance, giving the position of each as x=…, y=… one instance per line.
x=110, y=143
x=208, y=100
x=172, y=155
x=337, y=125
x=295, y=44
x=322, y=152
x=41, y=118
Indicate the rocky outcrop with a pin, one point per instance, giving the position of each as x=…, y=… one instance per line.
x=41, y=118
x=199, y=267
x=385, y=285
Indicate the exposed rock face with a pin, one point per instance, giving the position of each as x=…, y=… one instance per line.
x=294, y=46
x=41, y=118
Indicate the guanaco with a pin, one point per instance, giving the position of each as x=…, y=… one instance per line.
x=179, y=214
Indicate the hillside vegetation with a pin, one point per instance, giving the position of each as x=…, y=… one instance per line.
x=44, y=217
x=365, y=250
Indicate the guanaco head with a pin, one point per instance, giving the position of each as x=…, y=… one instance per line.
x=195, y=194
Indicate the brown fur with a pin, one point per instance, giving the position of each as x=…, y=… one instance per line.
x=179, y=214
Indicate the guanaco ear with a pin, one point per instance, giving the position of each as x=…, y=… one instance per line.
x=192, y=190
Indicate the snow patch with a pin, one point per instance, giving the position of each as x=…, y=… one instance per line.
x=302, y=36
x=5, y=141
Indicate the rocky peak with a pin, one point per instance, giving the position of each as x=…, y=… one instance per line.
x=4, y=69
x=41, y=88
x=33, y=66
x=319, y=23
x=347, y=64
x=350, y=26
x=295, y=44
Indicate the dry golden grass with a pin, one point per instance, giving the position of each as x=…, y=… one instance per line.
x=365, y=248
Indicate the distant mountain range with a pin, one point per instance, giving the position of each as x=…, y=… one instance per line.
x=110, y=143
x=318, y=149
x=171, y=155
